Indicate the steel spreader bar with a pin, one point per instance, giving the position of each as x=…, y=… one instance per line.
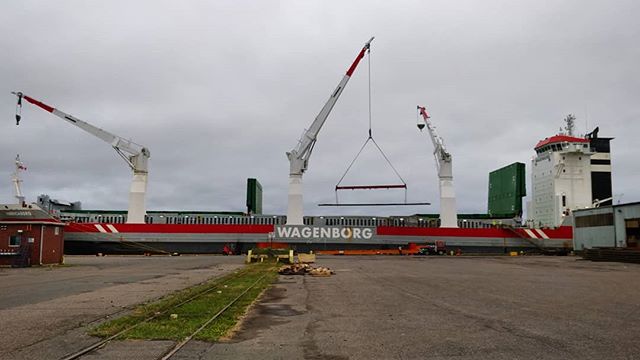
x=377, y=204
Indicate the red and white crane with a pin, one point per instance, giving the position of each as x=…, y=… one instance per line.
x=135, y=155
x=448, y=212
x=299, y=156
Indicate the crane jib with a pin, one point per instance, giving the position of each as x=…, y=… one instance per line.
x=38, y=103
x=355, y=63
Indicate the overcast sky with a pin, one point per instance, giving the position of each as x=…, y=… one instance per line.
x=220, y=90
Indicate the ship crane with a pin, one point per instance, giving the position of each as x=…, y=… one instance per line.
x=299, y=156
x=136, y=156
x=448, y=214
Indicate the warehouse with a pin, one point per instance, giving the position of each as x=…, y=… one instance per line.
x=29, y=236
x=613, y=226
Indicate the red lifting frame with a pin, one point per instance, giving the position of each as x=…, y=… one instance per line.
x=366, y=187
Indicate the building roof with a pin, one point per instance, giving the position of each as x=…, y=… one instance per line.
x=560, y=139
x=635, y=203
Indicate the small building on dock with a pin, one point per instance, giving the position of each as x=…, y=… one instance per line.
x=612, y=226
x=29, y=236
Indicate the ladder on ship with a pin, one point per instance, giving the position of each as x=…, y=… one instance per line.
x=531, y=241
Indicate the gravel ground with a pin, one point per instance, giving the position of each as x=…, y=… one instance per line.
x=444, y=308
x=45, y=312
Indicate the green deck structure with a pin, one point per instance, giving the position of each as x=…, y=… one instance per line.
x=507, y=187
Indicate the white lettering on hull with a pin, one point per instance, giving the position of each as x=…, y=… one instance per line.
x=324, y=233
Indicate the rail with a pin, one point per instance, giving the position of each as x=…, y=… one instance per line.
x=169, y=353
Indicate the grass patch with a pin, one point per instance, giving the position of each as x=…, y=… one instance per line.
x=193, y=314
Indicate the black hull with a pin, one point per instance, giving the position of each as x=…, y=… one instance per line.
x=137, y=248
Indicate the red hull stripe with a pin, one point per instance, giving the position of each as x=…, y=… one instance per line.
x=565, y=232
x=174, y=228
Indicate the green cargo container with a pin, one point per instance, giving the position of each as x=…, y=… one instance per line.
x=254, y=197
x=507, y=187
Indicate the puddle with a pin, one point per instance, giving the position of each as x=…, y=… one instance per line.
x=276, y=310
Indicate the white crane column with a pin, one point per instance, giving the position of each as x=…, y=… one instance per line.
x=295, y=208
x=137, y=197
x=448, y=209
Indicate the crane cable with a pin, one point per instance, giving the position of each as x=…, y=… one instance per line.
x=370, y=138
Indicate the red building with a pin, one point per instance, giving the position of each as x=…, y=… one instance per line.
x=29, y=236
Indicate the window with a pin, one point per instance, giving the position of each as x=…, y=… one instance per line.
x=56, y=230
x=594, y=220
x=15, y=240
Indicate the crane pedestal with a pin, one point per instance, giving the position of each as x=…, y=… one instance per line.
x=294, y=209
x=448, y=214
x=137, y=195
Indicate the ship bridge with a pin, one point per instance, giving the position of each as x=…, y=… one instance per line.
x=561, y=179
x=563, y=143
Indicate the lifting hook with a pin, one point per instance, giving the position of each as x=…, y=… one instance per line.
x=18, y=107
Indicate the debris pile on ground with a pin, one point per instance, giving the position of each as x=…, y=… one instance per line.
x=303, y=269
x=294, y=269
x=321, y=271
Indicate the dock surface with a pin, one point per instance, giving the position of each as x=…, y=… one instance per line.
x=445, y=308
x=374, y=307
x=46, y=312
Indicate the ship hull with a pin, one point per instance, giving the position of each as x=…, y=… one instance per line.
x=93, y=238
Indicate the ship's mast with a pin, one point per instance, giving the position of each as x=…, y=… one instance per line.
x=16, y=180
x=570, y=123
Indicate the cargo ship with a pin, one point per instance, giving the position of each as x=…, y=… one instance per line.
x=106, y=232
x=568, y=173
x=562, y=163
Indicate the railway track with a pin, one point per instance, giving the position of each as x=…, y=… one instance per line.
x=169, y=353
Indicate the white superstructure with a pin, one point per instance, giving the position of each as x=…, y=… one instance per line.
x=561, y=179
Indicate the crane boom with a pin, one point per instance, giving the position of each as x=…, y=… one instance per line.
x=136, y=156
x=299, y=156
x=444, y=166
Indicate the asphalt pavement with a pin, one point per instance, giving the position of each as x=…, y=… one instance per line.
x=45, y=312
x=444, y=308
x=378, y=307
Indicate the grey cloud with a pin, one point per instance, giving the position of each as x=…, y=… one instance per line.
x=220, y=90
